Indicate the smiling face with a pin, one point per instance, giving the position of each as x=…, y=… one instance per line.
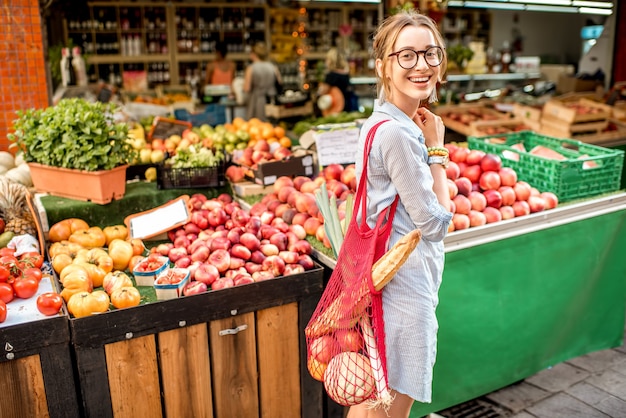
x=407, y=88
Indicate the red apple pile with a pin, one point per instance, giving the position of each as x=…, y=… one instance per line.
x=483, y=191
x=224, y=245
x=262, y=151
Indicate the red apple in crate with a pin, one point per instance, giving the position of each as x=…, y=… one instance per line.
x=222, y=283
x=200, y=254
x=464, y=185
x=306, y=261
x=478, y=201
x=199, y=219
x=207, y=273
x=494, y=198
x=522, y=190
x=348, y=177
x=217, y=216
x=242, y=279
x=259, y=276
x=240, y=217
x=282, y=181
x=194, y=288
x=349, y=339
x=507, y=212
x=508, y=195
x=274, y=264
x=332, y=172
x=257, y=257
x=298, y=230
x=489, y=180
x=508, y=176
x=551, y=199
x=211, y=204
x=324, y=348
x=472, y=172
x=284, y=192
x=293, y=268
x=536, y=204
x=491, y=162
x=463, y=204
x=240, y=251
x=309, y=187
x=299, y=180
x=453, y=171
x=183, y=262
x=176, y=253
x=220, y=258
x=196, y=200
x=474, y=157
x=521, y=208
x=289, y=257
x=269, y=249
x=252, y=267
x=301, y=247
x=459, y=155
x=305, y=201
x=452, y=207
x=220, y=242
x=460, y=221
x=281, y=153
x=477, y=218
x=452, y=188
x=311, y=225
x=257, y=209
x=279, y=239
x=492, y=214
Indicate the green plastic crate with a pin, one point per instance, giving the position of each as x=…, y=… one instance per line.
x=569, y=179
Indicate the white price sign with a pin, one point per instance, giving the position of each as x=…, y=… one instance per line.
x=337, y=146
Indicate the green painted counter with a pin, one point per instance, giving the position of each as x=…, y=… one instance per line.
x=139, y=196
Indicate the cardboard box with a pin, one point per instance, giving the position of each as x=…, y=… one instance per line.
x=568, y=83
x=302, y=165
x=247, y=188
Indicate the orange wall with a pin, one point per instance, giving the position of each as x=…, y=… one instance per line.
x=23, y=81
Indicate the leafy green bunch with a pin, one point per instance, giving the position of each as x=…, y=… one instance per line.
x=75, y=134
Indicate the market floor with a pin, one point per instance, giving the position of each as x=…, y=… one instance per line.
x=590, y=386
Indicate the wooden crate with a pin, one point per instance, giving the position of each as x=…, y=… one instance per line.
x=566, y=111
x=493, y=127
x=237, y=352
x=461, y=118
x=557, y=127
x=36, y=370
x=527, y=113
x=283, y=111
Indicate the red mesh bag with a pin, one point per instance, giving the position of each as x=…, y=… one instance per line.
x=345, y=336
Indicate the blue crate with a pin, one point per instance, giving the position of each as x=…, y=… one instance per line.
x=213, y=115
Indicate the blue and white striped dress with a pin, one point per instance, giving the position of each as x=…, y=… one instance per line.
x=397, y=164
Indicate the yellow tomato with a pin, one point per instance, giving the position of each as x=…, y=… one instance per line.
x=60, y=261
x=100, y=263
x=115, y=232
x=125, y=297
x=116, y=280
x=120, y=252
x=75, y=280
x=84, y=304
x=62, y=230
x=89, y=238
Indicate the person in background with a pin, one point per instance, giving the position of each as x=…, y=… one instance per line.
x=408, y=158
x=260, y=80
x=222, y=70
x=337, y=75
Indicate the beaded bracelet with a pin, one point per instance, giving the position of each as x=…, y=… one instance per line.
x=437, y=151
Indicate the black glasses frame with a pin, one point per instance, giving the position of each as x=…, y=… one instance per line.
x=417, y=53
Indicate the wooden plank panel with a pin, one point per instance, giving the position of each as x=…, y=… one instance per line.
x=186, y=372
x=59, y=380
x=234, y=365
x=134, y=378
x=279, y=361
x=22, y=391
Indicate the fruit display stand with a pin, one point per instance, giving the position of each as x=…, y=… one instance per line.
x=228, y=353
x=522, y=295
x=36, y=370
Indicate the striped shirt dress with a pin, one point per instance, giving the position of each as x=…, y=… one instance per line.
x=398, y=165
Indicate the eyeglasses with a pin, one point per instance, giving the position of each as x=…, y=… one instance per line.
x=407, y=58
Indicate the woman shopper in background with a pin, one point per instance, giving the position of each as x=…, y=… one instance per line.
x=222, y=70
x=260, y=80
x=337, y=76
x=408, y=158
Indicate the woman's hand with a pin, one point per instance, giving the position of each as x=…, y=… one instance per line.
x=431, y=125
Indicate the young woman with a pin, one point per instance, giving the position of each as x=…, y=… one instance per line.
x=408, y=158
x=338, y=76
x=222, y=70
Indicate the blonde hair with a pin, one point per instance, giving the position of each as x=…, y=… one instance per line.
x=335, y=60
x=385, y=38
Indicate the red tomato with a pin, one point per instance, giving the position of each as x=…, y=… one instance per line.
x=6, y=292
x=25, y=287
x=7, y=251
x=34, y=272
x=5, y=273
x=3, y=311
x=32, y=259
x=49, y=303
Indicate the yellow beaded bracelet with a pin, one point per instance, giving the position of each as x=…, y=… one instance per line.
x=437, y=151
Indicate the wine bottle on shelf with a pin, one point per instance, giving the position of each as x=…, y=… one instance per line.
x=65, y=75
x=69, y=64
x=79, y=67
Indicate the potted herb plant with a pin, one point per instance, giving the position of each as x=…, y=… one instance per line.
x=75, y=138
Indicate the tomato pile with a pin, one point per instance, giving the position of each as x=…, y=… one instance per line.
x=151, y=263
x=20, y=277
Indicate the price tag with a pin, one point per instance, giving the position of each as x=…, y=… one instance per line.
x=337, y=146
x=156, y=221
